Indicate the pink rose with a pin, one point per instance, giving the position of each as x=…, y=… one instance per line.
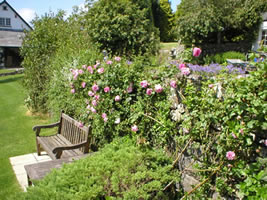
x=144, y=83
x=196, y=52
x=80, y=71
x=97, y=97
x=173, y=84
x=105, y=119
x=106, y=89
x=233, y=135
x=211, y=86
x=185, y=71
x=84, y=66
x=81, y=124
x=95, y=87
x=83, y=84
x=117, y=58
x=149, y=91
x=104, y=115
x=230, y=155
x=130, y=88
x=265, y=143
x=117, y=98
x=158, y=88
x=90, y=69
x=93, y=109
x=91, y=94
x=94, y=103
x=134, y=128
x=181, y=66
x=72, y=91
x=109, y=62
x=100, y=70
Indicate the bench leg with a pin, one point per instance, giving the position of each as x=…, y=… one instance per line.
x=38, y=146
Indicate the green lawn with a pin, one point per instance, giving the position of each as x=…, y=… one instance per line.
x=6, y=70
x=16, y=135
x=168, y=45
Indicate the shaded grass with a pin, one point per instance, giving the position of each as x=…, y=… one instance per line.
x=6, y=70
x=16, y=135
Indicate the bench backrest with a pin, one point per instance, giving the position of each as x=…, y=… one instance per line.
x=73, y=132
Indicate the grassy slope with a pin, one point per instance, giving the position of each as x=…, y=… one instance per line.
x=16, y=135
x=168, y=45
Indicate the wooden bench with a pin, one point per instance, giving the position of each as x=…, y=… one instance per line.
x=70, y=140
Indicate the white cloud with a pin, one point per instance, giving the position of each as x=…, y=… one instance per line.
x=27, y=14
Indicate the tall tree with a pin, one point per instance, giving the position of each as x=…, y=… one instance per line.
x=217, y=21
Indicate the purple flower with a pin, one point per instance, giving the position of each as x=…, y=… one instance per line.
x=90, y=69
x=230, y=155
x=80, y=71
x=104, y=115
x=134, y=128
x=196, y=52
x=117, y=98
x=129, y=62
x=97, y=97
x=72, y=91
x=94, y=103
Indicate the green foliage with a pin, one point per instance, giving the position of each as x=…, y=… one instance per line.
x=122, y=27
x=219, y=21
x=121, y=170
x=164, y=20
x=220, y=58
x=52, y=35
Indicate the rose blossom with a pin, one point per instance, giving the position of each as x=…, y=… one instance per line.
x=83, y=84
x=130, y=88
x=72, y=91
x=211, y=86
x=93, y=109
x=106, y=89
x=117, y=121
x=181, y=66
x=100, y=70
x=185, y=71
x=234, y=136
x=90, y=69
x=84, y=66
x=158, y=88
x=149, y=91
x=265, y=142
x=97, y=97
x=104, y=115
x=117, y=58
x=80, y=71
x=95, y=87
x=91, y=94
x=196, y=52
x=230, y=155
x=94, y=103
x=144, y=83
x=109, y=62
x=134, y=128
x=173, y=84
x=81, y=124
x=117, y=98
x=105, y=119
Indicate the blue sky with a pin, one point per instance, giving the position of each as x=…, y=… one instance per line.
x=29, y=8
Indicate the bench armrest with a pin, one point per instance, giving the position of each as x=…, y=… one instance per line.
x=58, y=150
x=38, y=128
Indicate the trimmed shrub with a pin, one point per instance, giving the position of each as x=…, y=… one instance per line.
x=121, y=170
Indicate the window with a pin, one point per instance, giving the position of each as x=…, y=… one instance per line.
x=4, y=8
x=264, y=37
x=8, y=22
x=5, y=22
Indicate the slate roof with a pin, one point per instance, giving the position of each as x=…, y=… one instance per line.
x=11, y=38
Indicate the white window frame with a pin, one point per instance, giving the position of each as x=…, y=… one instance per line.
x=5, y=22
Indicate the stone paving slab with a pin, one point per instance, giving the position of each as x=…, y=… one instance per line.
x=19, y=162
